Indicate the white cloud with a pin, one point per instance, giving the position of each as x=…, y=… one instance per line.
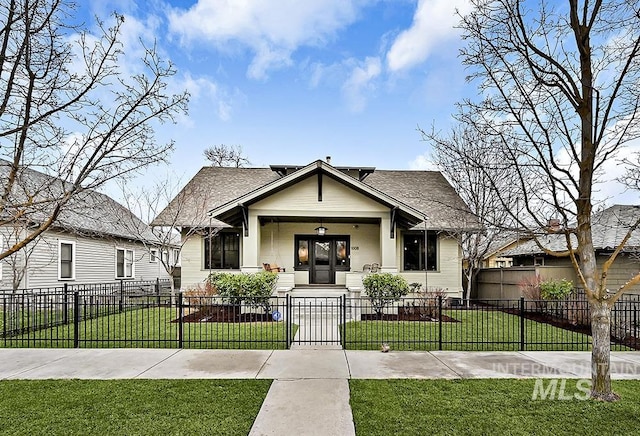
x=433, y=24
x=271, y=30
x=422, y=162
x=360, y=82
x=205, y=91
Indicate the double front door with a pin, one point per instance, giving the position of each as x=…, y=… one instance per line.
x=327, y=254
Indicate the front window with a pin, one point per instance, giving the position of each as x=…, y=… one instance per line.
x=66, y=256
x=124, y=263
x=415, y=257
x=153, y=255
x=222, y=251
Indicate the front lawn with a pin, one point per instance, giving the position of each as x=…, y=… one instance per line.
x=154, y=328
x=479, y=407
x=489, y=330
x=132, y=407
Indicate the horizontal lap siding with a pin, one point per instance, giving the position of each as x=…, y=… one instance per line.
x=303, y=197
x=449, y=273
x=192, y=262
x=278, y=244
x=94, y=260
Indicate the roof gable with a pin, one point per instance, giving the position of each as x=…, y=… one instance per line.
x=232, y=212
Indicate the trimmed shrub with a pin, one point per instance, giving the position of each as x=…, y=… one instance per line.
x=383, y=289
x=556, y=289
x=252, y=289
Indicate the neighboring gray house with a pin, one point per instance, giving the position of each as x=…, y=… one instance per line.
x=94, y=240
x=608, y=227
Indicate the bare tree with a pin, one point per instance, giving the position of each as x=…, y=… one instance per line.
x=469, y=163
x=68, y=109
x=226, y=156
x=166, y=228
x=559, y=99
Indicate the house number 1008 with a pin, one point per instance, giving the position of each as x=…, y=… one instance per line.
x=355, y=248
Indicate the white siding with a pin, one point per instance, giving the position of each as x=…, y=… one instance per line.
x=449, y=273
x=337, y=200
x=94, y=261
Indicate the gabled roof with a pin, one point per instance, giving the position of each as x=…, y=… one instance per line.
x=415, y=193
x=430, y=193
x=232, y=212
x=88, y=212
x=211, y=187
x=608, y=228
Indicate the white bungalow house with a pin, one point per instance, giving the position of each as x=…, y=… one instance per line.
x=321, y=225
x=92, y=241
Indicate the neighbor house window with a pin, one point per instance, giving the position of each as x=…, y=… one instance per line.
x=176, y=256
x=66, y=260
x=153, y=255
x=165, y=257
x=124, y=263
x=415, y=256
x=222, y=251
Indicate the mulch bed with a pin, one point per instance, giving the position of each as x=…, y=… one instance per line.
x=563, y=323
x=224, y=313
x=405, y=314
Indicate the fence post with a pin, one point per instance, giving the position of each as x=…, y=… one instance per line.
x=343, y=320
x=121, y=302
x=288, y=320
x=65, y=304
x=157, y=289
x=522, y=338
x=439, y=322
x=76, y=319
x=4, y=319
x=180, y=326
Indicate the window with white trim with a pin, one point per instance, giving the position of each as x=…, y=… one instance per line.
x=153, y=255
x=176, y=256
x=66, y=260
x=124, y=263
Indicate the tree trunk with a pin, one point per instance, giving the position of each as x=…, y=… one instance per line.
x=601, y=352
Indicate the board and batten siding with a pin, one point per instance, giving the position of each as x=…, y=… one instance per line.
x=95, y=261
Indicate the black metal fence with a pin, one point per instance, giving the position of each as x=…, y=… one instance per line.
x=145, y=314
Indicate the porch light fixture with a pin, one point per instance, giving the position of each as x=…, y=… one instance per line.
x=321, y=231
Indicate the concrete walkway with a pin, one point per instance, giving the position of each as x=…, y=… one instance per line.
x=310, y=392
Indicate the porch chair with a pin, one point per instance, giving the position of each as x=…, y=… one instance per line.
x=272, y=267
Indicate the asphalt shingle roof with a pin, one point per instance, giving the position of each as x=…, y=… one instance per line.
x=608, y=227
x=427, y=191
x=88, y=212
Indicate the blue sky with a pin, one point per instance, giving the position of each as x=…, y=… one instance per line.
x=292, y=81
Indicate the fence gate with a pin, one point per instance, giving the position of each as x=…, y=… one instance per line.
x=318, y=320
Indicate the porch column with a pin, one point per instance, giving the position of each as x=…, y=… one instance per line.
x=388, y=247
x=251, y=245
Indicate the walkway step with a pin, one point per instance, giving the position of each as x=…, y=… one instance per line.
x=306, y=407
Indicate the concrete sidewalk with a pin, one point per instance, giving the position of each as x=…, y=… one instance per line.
x=18, y=363
x=310, y=392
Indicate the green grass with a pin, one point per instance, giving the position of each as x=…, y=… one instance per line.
x=486, y=407
x=476, y=330
x=132, y=407
x=153, y=327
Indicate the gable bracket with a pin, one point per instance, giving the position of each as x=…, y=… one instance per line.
x=319, y=186
x=245, y=219
x=393, y=222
